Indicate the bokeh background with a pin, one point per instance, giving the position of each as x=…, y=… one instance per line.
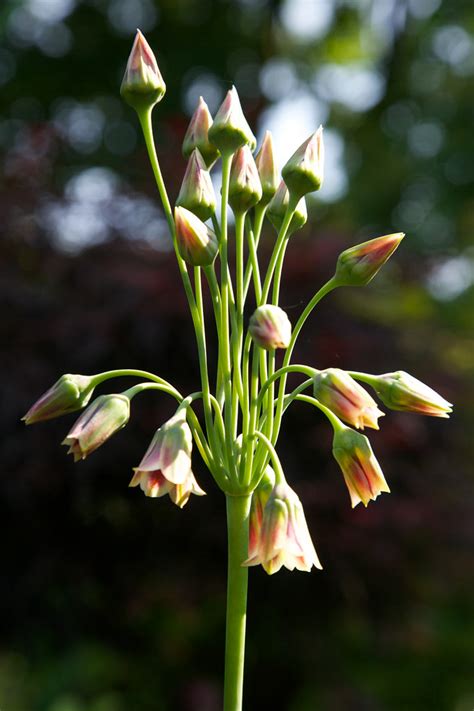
x=112, y=602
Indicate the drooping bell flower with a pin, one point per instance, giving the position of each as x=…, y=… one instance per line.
x=197, y=135
x=197, y=192
x=259, y=500
x=105, y=415
x=197, y=243
x=357, y=265
x=348, y=400
x=303, y=172
x=230, y=129
x=142, y=85
x=68, y=394
x=270, y=327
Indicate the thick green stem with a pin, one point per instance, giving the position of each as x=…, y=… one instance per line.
x=238, y=508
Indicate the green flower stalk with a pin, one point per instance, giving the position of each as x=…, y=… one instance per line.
x=245, y=398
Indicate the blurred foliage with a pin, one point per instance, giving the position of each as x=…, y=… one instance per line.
x=115, y=602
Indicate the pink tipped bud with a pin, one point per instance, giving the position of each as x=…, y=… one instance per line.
x=166, y=466
x=197, y=135
x=245, y=189
x=401, y=391
x=105, y=416
x=267, y=170
x=68, y=394
x=259, y=500
x=361, y=470
x=357, y=265
x=230, y=129
x=270, y=327
x=303, y=172
x=346, y=398
x=142, y=85
x=197, y=192
x=197, y=243
x=277, y=210
x=284, y=539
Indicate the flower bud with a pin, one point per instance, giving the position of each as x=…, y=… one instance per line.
x=197, y=192
x=245, y=189
x=401, y=391
x=68, y=394
x=259, y=499
x=105, y=416
x=277, y=210
x=166, y=465
x=142, y=85
x=197, y=135
x=357, y=265
x=284, y=539
x=267, y=170
x=361, y=470
x=346, y=398
x=270, y=327
x=197, y=243
x=230, y=129
x=303, y=172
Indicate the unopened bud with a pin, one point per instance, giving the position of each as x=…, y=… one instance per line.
x=245, y=189
x=142, y=85
x=197, y=135
x=303, y=172
x=270, y=327
x=267, y=170
x=197, y=243
x=197, y=192
x=230, y=129
x=68, y=394
x=348, y=400
x=277, y=210
x=105, y=416
x=401, y=391
x=357, y=265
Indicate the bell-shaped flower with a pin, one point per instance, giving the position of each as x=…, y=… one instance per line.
x=230, y=129
x=197, y=192
x=142, y=85
x=245, y=189
x=267, y=170
x=277, y=210
x=303, y=172
x=68, y=394
x=270, y=327
x=105, y=416
x=259, y=500
x=197, y=243
x=166, y=465
x=284, y=539
x=401, y=391
x=357, y=265
x=348, y=400
x=197, y=135
x=361, y=470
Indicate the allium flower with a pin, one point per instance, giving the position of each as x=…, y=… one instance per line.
x=303, y=172
x=142, y=85
x=361, y=470
x=230, y=129
x=401, y=391
x=348, y=400
x=105, y=416
x=197, y=192
x=284, y=539
x=270, y=327
x=277, y=210
x=259, y=500
x=197, y=243
x=166, y=465
x=197, y=135
x=357, y=265
x=68, y=394
x=245, y=189
x=267, y=169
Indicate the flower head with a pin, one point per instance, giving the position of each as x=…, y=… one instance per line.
x=105, y=416
x=270, y=327
x=245, y=189
x=197, y=192
x=401, y=391
x=267, y=170
x=230, y=129
x=142, y=85
x=277, y=210
x=166, y=465
x=68, y=394
x=357, y=265
x=361, y=470
x=348, y=400
x=303, y=172
x=197, y=243
x=197, y=135
x=259, y=500
x=283, y=539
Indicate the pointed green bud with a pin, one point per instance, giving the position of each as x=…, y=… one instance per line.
x=105, y=416
x=401, y=391
x=197, y=243
x=142, y=85
x=230, y=129
x=68, y=394
x=303, y=173
x=357, y=265
x=197, y=135
x=270, y=327
x=277, y=209
x=245, y=189
x=197, y=192
x=267, y=170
